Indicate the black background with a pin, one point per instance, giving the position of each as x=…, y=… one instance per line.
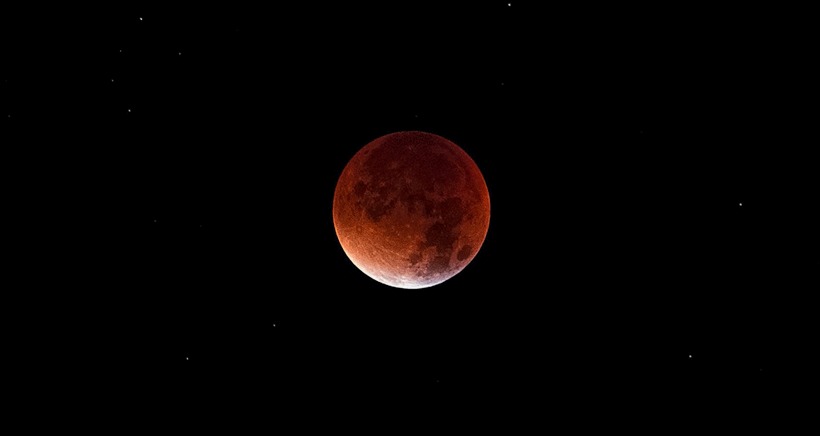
x=184, y=161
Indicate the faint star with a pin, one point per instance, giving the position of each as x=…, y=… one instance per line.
x=112, y=80
x=179, y=53
x=155, y=220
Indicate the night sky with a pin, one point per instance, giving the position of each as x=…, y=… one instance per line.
x=652, y=244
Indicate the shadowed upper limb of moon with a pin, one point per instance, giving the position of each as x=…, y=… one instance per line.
x=411, y=209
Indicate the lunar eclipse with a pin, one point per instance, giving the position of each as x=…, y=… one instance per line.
x=411, y=209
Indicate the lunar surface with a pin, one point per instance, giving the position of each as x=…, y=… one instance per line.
x=411, y=209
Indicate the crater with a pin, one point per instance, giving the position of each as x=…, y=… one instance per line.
x=414, y=258
x=377, y=207
x=439, y=264
x=359, y=188
x=451, y=210
x=464, y=252
x=440, y=236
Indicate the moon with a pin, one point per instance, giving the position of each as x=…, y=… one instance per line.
x=411, y=209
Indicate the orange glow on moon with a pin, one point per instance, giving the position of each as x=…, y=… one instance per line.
x=411, y=209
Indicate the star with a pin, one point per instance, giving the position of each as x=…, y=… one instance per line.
x=140, y=18
x=690, y=356
x=179, y=53
x=509, y=4
x=274, y=324
x=154, y=220
x=129, y=110
x=187, y=358
x=740, y=204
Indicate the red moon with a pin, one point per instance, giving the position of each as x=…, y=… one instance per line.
x=411, y=209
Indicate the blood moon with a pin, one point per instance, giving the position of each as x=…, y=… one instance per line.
x=411, y=209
